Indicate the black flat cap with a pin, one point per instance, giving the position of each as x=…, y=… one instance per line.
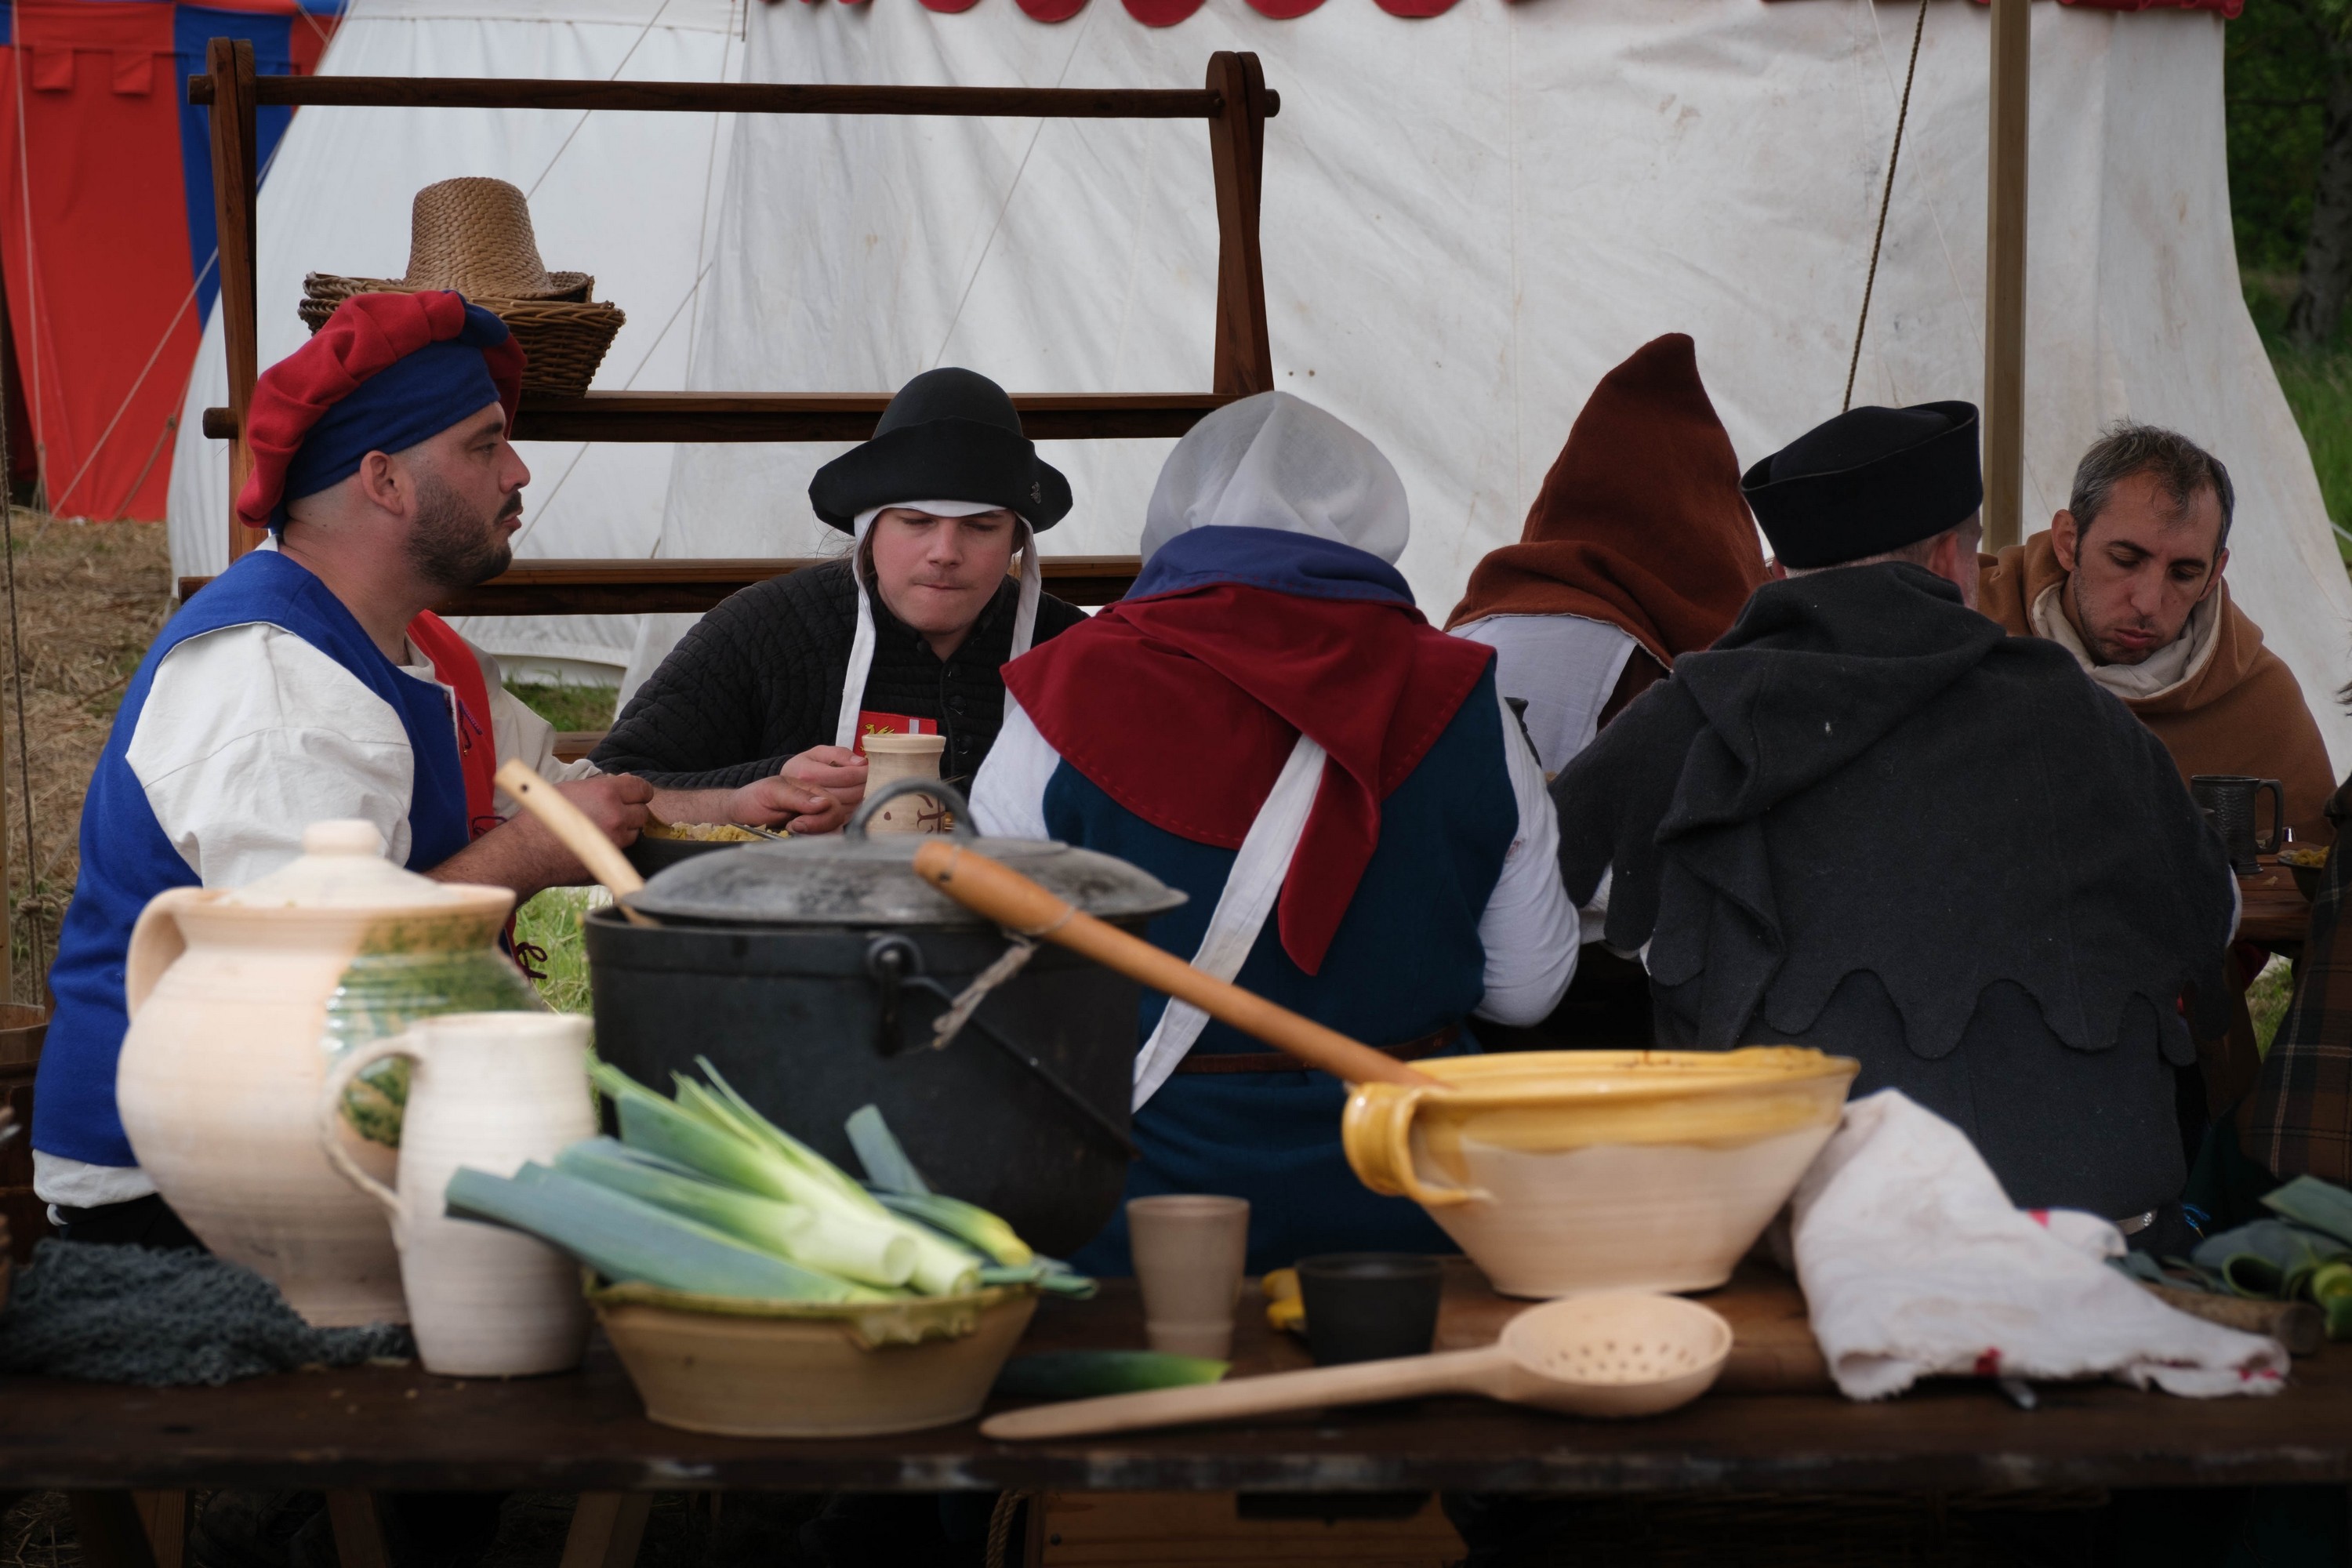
x=950, y=435
x=1868, y=481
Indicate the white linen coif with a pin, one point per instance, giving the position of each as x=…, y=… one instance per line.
x=1277, y=461
x=861, y=644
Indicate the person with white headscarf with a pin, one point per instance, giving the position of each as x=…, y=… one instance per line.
x=906, y=636
x=1267, y=723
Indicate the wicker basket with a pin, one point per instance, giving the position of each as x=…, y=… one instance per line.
x=562, y=341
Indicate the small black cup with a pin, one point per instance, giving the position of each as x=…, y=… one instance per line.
x=1369, y=1306
x=2229, y=800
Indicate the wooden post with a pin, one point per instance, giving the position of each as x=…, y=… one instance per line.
x=2005, y=207
x=1237, y=154
x=110, y=1533
x=8, y=542
x=236, y=176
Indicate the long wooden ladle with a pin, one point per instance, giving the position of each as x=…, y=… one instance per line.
x=993, y=889
x=1591, y=1355
x=575, y=832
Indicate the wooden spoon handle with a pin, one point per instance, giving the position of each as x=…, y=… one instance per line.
x=575, y=832
x=993, y=889
x=2297, y=1325
x=1365, y=1383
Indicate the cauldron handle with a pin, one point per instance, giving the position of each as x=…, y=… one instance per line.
x=946, y=793
x=895, y=963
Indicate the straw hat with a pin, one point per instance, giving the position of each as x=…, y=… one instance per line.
x=474, y=235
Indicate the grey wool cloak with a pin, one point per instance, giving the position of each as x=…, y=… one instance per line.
x=1869, y=821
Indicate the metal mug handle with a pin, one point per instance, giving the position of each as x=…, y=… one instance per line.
x=2278, y=816
x=330, y=1117
x=946, y=793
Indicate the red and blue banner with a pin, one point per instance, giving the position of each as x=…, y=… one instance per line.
x=106, y=227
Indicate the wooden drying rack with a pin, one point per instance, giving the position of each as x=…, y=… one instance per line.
x=1234, y=102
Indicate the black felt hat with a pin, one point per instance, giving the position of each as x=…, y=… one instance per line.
x=950, y=435
x=1868, y=481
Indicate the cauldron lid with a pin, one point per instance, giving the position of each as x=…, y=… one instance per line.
x=849, y=878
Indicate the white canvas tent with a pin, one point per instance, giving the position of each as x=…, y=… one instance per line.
x=632, y=198
x=1468, y=219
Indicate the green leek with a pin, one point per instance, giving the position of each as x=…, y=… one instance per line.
x=942, y=1266
x=727, y=1142
x=627, y=1240
x=824, y=1242
x=968, y=1222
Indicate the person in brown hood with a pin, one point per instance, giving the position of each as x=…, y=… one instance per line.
x=1638, y=549
x=2128, y=579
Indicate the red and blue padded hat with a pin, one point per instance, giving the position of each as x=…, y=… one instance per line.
x=386, y=372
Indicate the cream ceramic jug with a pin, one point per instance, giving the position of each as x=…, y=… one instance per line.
x=490, y=1090
x=240, y=1000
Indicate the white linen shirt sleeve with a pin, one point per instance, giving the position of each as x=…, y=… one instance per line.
x=1529, y=930
x=518, y=731
x=249, y=734
x=1008, y=794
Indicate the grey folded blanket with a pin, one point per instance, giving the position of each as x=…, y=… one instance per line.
x=127, y=1314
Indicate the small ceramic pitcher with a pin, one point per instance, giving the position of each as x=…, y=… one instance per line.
x=490, y=1090
x=890, y=758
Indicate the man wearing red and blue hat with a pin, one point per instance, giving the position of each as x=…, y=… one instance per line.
x=312, y=682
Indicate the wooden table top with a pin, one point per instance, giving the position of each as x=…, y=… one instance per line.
x=1771, y=1425
x=2275, y=911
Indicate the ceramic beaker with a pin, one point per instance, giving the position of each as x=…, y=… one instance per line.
x=489, y=1090
x=890, y=758
x=1189, y=1250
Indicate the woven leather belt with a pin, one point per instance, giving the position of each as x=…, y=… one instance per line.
x=1429, y=1044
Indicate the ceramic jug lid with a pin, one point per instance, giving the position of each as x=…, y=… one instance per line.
x=342, y=867
x=848, y=879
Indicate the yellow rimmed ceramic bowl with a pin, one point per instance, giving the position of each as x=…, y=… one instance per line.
x=1566, y=1173
x=798, y=1369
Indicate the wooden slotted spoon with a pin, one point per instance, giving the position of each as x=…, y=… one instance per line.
x=1614, y=1355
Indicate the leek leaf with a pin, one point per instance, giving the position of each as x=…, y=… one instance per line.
x=627, y=1240
x=967, y=1223
x=1085, y=1374
x=886, y=1166
x=2320, y=1205
x=867, y=1254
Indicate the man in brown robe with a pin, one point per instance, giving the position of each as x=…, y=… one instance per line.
x=2128, y=579
x=1638, y=549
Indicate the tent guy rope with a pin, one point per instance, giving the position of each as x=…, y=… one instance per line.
x=1886, y=200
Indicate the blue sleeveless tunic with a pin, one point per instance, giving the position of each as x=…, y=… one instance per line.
x=126, y=859
x=1406, y=960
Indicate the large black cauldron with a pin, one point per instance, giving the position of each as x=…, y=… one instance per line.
x=811, y=974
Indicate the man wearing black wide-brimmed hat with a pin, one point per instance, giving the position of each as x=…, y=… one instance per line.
x=905, y=637
x=1870, y=821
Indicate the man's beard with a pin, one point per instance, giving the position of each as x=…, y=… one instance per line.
x=451, y=546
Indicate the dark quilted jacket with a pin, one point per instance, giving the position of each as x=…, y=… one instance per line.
x=758, y=681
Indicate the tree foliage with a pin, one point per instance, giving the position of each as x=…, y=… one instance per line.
x=2282, y=58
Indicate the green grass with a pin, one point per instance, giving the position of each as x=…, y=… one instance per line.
x=552, y=921
x=2266, y=999
x=569, y=707
x=2318, y=387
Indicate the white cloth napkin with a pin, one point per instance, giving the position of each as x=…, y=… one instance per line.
x=1914, y=1264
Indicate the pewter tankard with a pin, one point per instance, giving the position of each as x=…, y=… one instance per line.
x=2229, y=800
